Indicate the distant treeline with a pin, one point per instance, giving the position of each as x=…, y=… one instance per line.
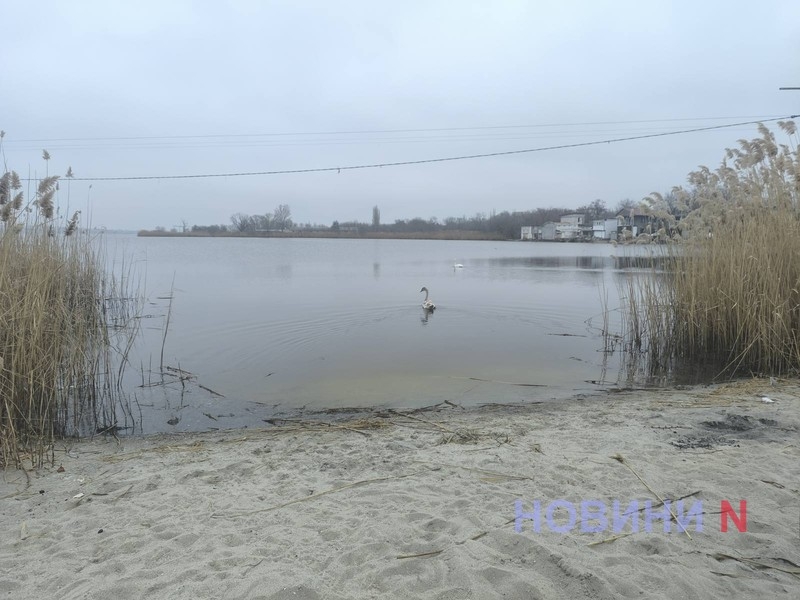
x=302, y=232
x=502, y=225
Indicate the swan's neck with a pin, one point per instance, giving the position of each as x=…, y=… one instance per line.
x=426, y=296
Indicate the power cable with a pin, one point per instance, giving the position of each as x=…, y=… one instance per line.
x=433, y=160
x=370, y=131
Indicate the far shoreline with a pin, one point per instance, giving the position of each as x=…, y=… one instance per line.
x=474, y=236
x=439, y=235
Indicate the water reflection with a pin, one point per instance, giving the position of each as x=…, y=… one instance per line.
x=273, y=325
x=285, y=272
x=625, y=261
x=547, y=262
x=640, y=262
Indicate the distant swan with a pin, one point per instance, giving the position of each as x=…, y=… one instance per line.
x=458, y=266
x=427, y=304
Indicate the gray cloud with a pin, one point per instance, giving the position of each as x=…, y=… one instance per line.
x=150, y=70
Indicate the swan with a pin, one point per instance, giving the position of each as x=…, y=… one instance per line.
x=458, y=266
x=427, y=304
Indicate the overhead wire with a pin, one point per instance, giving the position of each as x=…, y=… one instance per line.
x=340, y=141
x=339, y=169
x=370, y=131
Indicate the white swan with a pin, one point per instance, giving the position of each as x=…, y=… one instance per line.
x=427, y=304
x=458, y=266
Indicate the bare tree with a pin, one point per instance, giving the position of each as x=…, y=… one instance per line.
x=376, y=217
x=281, y=218
x=241, y=222
x=262, y=222
x=626, y=204
x=593, y=210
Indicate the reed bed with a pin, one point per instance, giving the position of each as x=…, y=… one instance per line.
x=59, y=359
x=729, y=293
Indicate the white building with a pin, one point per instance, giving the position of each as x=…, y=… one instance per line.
x=573, y=219
x=604, y=229
x=571, y=226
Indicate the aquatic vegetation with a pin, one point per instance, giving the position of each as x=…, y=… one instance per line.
x=729, y=293
x=66, y=326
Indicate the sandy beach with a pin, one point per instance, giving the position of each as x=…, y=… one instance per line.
x=428, y=504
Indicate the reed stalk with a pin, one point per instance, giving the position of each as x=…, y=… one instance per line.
x=729, y=295
x=58, y=364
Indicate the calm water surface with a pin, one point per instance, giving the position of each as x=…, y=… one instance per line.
x=279, y=325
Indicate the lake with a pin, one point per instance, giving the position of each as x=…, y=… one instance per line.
x=275, y=327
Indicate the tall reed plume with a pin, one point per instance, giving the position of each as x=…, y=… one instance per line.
x=730, y=294
x=56, y=346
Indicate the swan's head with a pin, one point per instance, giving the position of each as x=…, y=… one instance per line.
x=424, y=289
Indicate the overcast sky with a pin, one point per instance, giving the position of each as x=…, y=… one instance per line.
x=120, y=89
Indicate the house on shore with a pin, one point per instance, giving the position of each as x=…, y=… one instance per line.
x=636, y=220
x=605, y=229
x=629, y=223
x=570, y=227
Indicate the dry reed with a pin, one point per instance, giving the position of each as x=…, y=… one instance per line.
x=729, y=294
x=60, y=326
